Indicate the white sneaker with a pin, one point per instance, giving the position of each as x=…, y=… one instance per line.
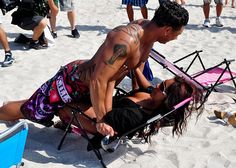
x=219, y=22
x=206, y=23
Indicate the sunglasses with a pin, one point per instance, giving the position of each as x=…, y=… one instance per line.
x=162, y=88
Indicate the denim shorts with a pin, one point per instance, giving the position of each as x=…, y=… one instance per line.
x=67, y=5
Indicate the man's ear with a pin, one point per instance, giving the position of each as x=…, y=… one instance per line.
x=168, y=30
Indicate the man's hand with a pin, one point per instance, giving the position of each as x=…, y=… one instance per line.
x=105, y=129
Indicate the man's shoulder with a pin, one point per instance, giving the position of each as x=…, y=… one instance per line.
x=140, y=21
x=127, y=31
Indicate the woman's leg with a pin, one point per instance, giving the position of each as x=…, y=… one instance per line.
x=11, y=111
x=65, y=115
x=144, y=12
x=233, y=5
x=130, y=12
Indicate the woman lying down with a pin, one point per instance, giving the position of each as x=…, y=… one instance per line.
x=128, y=111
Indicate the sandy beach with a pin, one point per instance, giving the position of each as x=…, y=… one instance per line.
x=207, y=143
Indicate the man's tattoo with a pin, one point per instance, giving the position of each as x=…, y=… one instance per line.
x=132, y=30
x=119, y=50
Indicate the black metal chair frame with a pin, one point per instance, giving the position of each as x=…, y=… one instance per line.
x=75, y=111
x=184, y=73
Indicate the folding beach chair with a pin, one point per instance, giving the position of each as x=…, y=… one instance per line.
x=80, y=130
x=106, y=143
x=12, y=144
x=207, y=79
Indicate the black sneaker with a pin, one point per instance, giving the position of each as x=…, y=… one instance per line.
x=43, y=41
x=8, y=61
x=75, y=33
x=35, y=45
x=54, y=34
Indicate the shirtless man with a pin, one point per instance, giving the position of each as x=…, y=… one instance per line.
x=130, y=46
x=125, y=48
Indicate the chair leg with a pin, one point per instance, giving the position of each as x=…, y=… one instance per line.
x=65, y=133
x=85, y=135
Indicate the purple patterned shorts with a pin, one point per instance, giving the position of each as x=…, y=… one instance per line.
x=65, y=87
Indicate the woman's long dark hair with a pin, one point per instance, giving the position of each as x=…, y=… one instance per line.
x=176, y=93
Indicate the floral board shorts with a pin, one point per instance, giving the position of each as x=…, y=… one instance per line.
x=65, y=87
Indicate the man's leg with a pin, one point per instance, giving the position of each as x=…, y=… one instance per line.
x=233, y=4
x=37, y=24
x=38, y=34
x=11, y=111
x=68, y=5
x=206, y=11
x=3, y=40
x=72, y=19
x=219, y=9
x=53, y=19
x=38, y=30
x=130, y=12
x=8, y=55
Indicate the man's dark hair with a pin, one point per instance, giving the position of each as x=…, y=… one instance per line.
x=171, y=14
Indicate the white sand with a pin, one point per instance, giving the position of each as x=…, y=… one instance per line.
x=206, y=144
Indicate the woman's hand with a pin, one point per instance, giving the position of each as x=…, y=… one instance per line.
x=105, y=129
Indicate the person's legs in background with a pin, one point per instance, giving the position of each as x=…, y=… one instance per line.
x=53, y=19
x=144, y=12
x=72, y=19
x=130, y=12
x=219, y=9
x=206, y=11
x=38, y=35
x=69, y=7
x=233, y=4
x=8, y=55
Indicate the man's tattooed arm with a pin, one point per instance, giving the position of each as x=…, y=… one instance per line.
x=119, y=50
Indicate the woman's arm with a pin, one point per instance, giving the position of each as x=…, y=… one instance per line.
x=140, y=79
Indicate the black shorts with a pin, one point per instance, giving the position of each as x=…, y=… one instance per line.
x=29, y=23
x=125, y=118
